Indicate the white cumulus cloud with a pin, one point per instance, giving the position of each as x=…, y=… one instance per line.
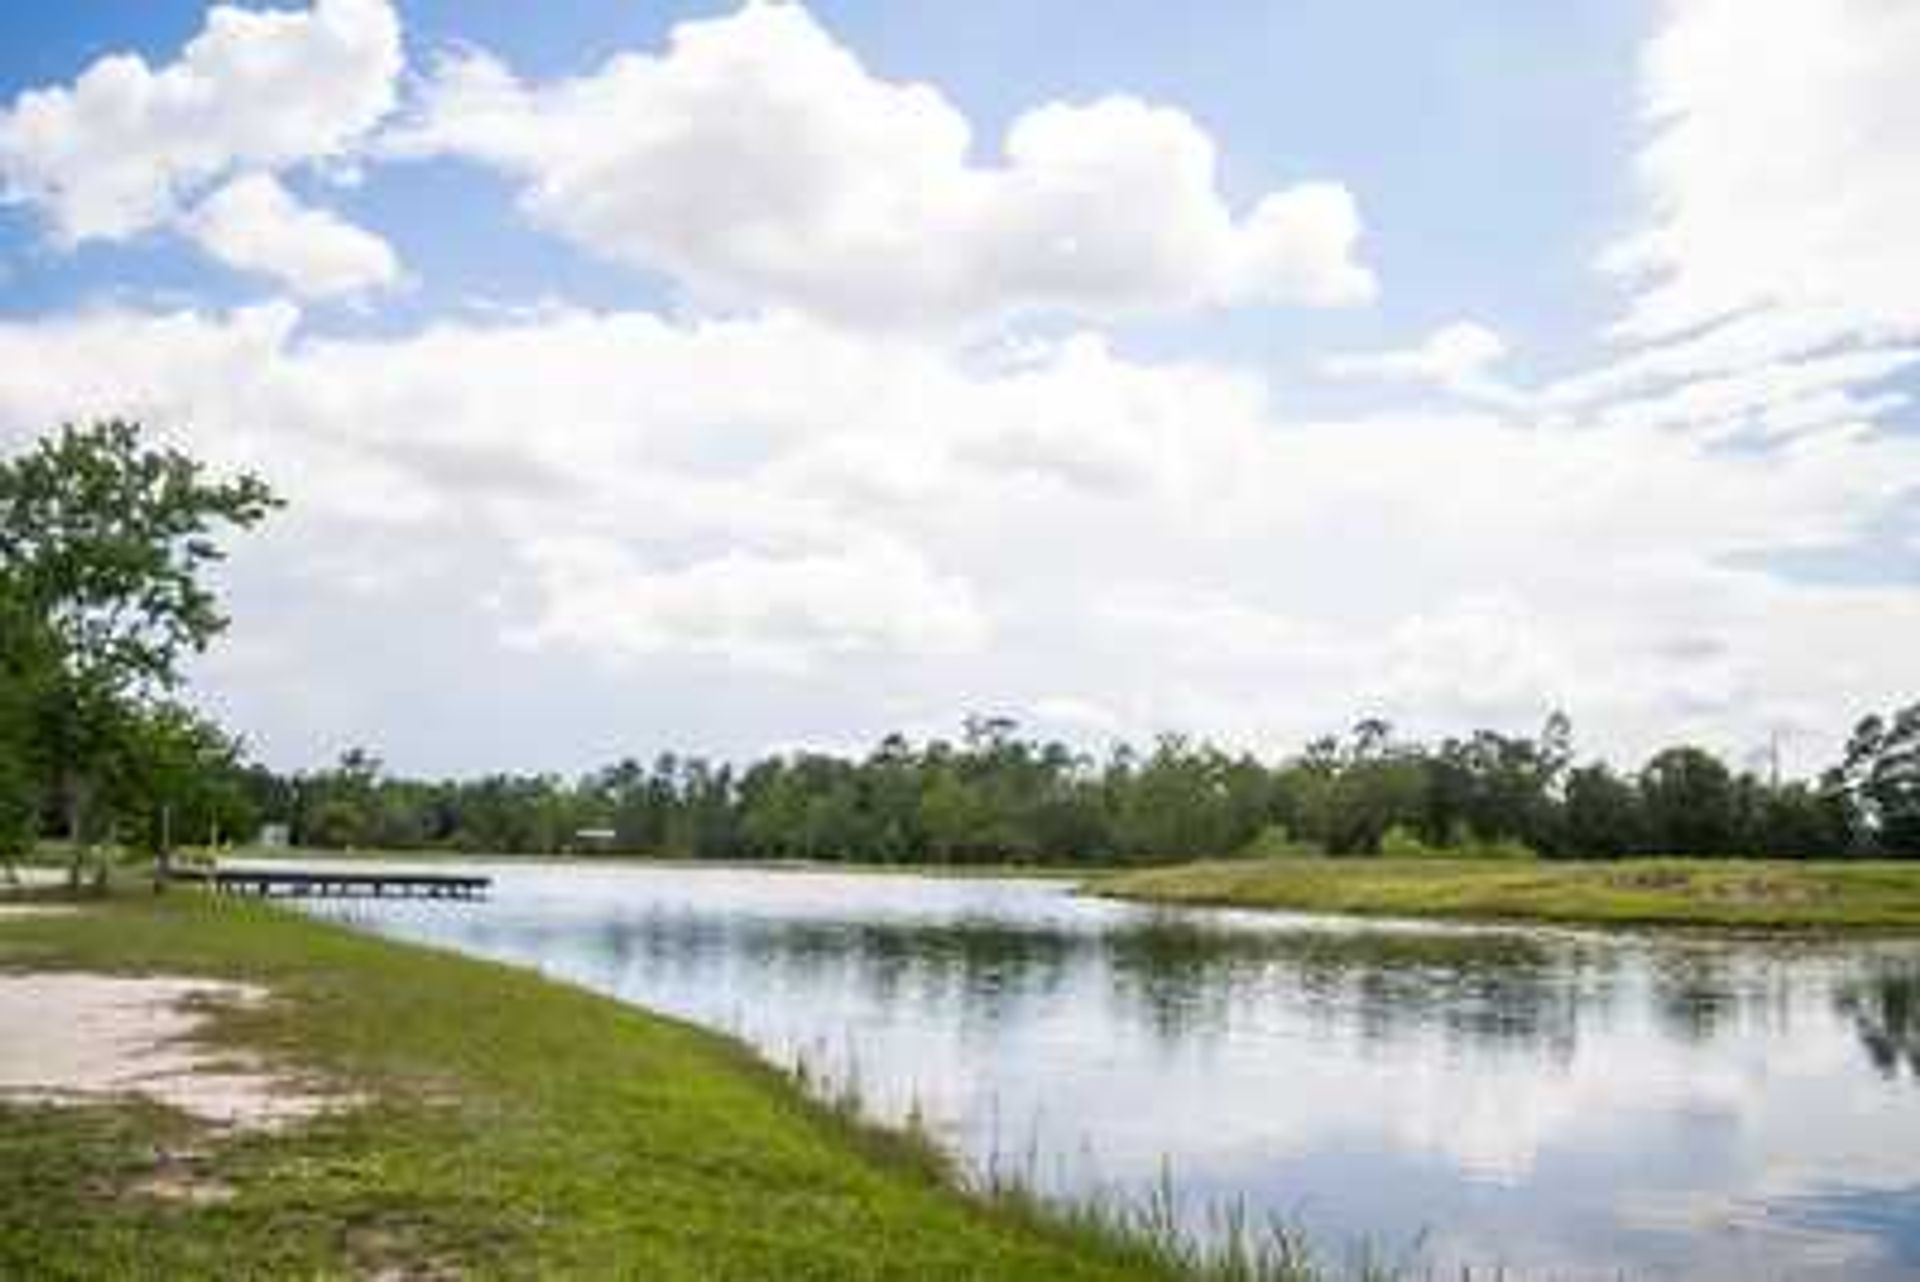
x=772, y=612
x=757, y=160
x=115, y=152
x=254, y=224
x=1781, y=173
x=1769, y=277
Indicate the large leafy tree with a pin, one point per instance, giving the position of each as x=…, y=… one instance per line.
x=175, y=773
x=105, y=544
x=1602, y=814
x=1687, y=797
x=1880, y=778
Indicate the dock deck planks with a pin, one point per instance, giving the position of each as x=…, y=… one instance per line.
x=306, y=883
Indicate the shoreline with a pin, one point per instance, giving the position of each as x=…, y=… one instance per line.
x=502, y=1123
x=1762, y=896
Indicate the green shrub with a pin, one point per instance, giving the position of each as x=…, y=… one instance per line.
x=1275, y=841
x=1402, y=842
x=1505, y=848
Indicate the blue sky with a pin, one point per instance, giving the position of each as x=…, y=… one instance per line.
x=654, y=375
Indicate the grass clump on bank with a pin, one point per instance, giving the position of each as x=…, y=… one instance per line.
x=1735, y=893
x=505, y=1126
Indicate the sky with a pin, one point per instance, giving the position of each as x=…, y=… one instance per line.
x=740, y=378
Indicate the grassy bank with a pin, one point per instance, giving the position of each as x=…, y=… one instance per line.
x=509, y=1127
x=1748, y=894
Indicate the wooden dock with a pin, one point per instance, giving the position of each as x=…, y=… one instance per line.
x=309, y=883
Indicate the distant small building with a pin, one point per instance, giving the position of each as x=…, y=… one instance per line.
x=594, y=839
x=274, y=837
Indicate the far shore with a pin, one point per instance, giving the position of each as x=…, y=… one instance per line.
x=1769, y=895
x=298, y=854
x=1739, y=894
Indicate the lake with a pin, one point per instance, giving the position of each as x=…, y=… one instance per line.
x=1560, y=1103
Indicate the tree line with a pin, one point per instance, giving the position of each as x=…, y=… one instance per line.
x=993, y=795
x=105, y=544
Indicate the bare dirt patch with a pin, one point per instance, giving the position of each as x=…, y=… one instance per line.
x=14, y=912
x=75, y=1038
x=21, y=879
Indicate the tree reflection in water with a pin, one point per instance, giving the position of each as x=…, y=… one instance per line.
x=1885, y=1009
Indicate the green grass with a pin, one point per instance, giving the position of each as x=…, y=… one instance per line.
x=1773, y=895
x=510, y=1127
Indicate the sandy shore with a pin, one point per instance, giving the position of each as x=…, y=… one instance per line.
x=70, y=1038
x=8, y=910
x=31, y=879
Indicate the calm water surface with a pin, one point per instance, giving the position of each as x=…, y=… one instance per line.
x=1564, y=1104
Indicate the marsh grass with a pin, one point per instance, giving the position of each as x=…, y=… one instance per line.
x=1155, y=1229
x=1223, y=1241
x=1745, y=894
